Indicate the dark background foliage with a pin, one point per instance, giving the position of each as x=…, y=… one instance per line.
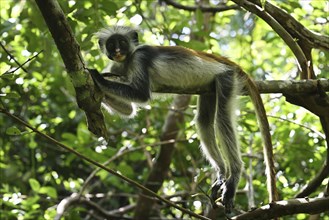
x=36, y=175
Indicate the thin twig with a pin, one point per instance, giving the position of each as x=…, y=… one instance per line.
x=28, y=60
x=322, y=136
x=13, y=58
x=123, y=151
x=220, y=8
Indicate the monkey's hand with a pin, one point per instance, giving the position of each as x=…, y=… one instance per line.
x=95, y=74
x=108, y=76
x=115, y=77
x=97, y=77
x=112, y=102
x=92, y=71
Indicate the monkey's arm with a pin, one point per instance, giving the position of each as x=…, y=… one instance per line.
x=137, y=91
x=116, y=104
x=111, y=75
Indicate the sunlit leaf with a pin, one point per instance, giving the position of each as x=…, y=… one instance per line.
x=50, y=191
x=13, y=131
x=35, y=185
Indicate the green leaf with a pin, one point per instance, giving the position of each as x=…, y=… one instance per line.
x=12, y=95
x=32, y=144
x=199, y=19
x=69, y=138
x=125, y=169
x=38, y=76
x=262, y=2
x=35, y=185
x=111, y=7
x=13, y=131
x=50, y=191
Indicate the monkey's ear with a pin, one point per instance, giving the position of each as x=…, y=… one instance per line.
x=101, y=43
x=135, y=37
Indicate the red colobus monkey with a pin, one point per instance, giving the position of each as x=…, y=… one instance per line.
x=142, y=69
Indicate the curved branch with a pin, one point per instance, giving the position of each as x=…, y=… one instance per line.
x=296, y=29
x=276, y=26
x=286, y=207
x=202, y=8
x=315, y=182
x=64, y=204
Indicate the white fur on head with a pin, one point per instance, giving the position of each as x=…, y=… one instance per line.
x=105, y=33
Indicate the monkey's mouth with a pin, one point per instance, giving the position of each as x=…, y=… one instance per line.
x=119, y=57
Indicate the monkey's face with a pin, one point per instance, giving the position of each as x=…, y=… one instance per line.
x=117, y=47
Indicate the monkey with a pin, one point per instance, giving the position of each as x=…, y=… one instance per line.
x=115, y=104
x=143, y=69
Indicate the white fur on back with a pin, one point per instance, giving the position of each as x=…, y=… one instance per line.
x=185, y=73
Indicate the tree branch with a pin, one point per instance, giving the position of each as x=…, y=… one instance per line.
x=315, y=182
x=286, y=207
x=88, y=98
x=296, y=29
x=270, y=86
x=13, y=58
x=121, y=152
x=276, y=26
x=202, y=8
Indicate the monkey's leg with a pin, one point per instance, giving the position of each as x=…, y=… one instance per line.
x=226, y=91
x=205, y=119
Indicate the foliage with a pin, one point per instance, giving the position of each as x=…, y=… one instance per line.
x=36, y=175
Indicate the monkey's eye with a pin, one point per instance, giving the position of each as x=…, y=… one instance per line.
x=123, y=42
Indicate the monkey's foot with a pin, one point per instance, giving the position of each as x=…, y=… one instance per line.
x=216, y=189
x=227, y=191
x=228, y=196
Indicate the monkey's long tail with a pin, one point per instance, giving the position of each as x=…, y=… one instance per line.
x=265, y=133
